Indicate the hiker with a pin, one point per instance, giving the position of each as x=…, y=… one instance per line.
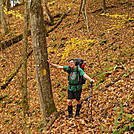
x=75, y=88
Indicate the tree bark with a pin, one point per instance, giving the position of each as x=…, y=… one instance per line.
x=25, y=100
x=4, y=29
x=8, y=5
x=103, y=5
x=38, y=33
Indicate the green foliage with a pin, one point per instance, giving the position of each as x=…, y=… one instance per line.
x=6, y=121
x=18, y=102
x=53, y=38
x=105, y=58
x=101, y=34
x=63, y=88
x=116, y=33
x=101, y=77
x=3, y=96
x=115, y=47
x=62, y=94
x=129, y=71
x=123, y=122
x=28, y=132
x=97, y=85
x=40, y=126
x=109, y=68
x=103, y=41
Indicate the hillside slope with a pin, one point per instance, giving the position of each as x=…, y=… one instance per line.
x=108, y=49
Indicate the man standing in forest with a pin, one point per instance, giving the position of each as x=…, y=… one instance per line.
x=74, y=89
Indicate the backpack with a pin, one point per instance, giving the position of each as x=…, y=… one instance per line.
x=79, y=63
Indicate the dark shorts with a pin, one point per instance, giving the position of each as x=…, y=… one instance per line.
x=74, y=95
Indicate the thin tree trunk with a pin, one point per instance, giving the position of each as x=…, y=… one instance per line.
x=84, y=13
x=38, y=33
x=47, y=13
x=8, y=5
x=104, y=5
x=25, y=101
x=4, y=29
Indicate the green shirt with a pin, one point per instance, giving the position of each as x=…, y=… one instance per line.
x=73, y=78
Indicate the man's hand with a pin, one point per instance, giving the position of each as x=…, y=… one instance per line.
x=54, y=65
x=88, y=78
x=49, y=61
x=92, y=80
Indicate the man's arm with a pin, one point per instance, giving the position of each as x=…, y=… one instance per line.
x=54, y=65
x=88, y=78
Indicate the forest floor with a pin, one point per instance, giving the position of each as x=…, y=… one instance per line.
x=108, y=49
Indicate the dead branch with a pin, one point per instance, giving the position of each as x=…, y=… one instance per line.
x=14, y=72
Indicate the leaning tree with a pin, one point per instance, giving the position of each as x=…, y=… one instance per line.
x=38, y=34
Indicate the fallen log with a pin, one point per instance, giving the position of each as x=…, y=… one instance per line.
x=18, y=38
x=13, y=41
x=14, y=72
x=99, y=10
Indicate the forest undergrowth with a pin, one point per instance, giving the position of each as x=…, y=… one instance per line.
x=108, y=49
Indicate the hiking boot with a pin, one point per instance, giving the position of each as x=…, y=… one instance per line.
x=78, y=110
x=70, y=116
x=70, y=111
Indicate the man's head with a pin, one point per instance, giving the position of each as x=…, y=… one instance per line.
x=72, y=63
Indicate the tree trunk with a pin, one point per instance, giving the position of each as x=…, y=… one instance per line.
x=47, y=13
x=4, y=29
x=38, y=33
x=25, y=102
x=8, y=5
x=84, y=12
x=104, y=5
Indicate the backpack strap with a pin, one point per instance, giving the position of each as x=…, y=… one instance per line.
x=69, y=70
x=77, y=70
